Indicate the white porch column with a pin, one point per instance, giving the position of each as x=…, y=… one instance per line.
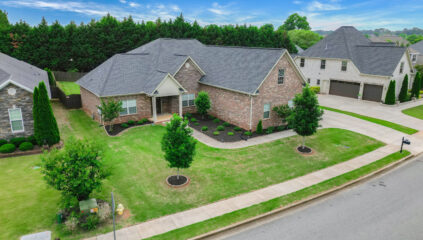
x=180, y=105
x=154, y=109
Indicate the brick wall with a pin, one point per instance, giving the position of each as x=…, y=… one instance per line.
x=23, y=100
x=188, y=76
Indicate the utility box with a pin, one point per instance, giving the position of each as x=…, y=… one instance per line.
x=88, y=206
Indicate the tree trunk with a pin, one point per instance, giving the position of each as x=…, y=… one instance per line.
x=177, y=176
x=303, y=145
x=110, y=126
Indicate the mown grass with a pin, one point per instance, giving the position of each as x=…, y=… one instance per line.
x=416, y=112
x=69, y=88
x=385, y=123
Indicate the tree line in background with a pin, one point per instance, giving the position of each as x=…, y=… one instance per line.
x=85, y=46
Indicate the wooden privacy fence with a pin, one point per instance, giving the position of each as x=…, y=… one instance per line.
x=68, y=76
x=70, y=101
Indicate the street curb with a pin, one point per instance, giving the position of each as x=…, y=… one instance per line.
x=263, y=216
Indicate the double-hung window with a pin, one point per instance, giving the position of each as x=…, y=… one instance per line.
x=16, y=120
x=266, y=110
x=281, y=76
x=302, y=62
x=188, y=100
x=323, y=64
x=129, y=106
x=344, y=66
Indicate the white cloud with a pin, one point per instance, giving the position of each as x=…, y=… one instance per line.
x=319, y=6
x=219, y=9
x=133, y=4
x=122, y=1
x=297, y=2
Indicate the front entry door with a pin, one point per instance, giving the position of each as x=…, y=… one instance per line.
x=158, y=105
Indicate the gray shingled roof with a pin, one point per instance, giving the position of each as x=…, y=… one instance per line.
x=348, y=43
x=141, y=70
x=418, y=46
x=21, y=72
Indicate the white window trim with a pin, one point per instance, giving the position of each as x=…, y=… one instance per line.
x=346, y=66
x=283, y=77
x=321, y=61
x=127, y=108
x=302, y=62
x=188, y=100
x=10, y=121
x=270, y=108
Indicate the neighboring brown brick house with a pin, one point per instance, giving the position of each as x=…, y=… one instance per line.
x=17, y=81
x=165, y=76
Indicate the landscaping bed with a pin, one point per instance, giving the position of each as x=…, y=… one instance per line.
x=118, y=128
x=223, y=131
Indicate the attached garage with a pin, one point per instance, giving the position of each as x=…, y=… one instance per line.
x=345, y=89
x=372, y=92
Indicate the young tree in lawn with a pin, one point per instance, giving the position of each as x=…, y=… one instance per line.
x=202, y=102
x=403, y=95
x=178, y=144
x=48, y=131
x=110, y=110
x=306, y=114
x=415, y=89
x=390, y=94
x=76, y=170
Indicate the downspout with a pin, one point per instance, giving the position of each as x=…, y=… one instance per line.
x=251, y=112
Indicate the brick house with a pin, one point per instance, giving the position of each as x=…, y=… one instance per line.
x=17, y=82
x=165, y=75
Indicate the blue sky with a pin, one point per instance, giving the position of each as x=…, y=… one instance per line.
x=322, y=14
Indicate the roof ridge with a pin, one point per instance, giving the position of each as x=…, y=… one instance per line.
x=346, y=44
x=246, y=47
x=108, y=74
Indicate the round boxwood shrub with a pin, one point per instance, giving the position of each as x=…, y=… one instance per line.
x=248, y=133
x=270, y=130
x=25, y=146
x=188, y=115
x=237, y=128
x=280, y=128
x=131, y=122
x=7, y=148
x=230, y=133
x=2, y=142
x=216, y=120
x=216, y=133
x=32, y=140
x=226, y=124
x=196, y=123
x=220, y=128
x=124, y=125
x=193, y=119
x=17, y=141
x=204, y=128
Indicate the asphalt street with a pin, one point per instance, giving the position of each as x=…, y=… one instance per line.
x=389, y=206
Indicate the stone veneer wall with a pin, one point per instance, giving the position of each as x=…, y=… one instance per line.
x=23, y=100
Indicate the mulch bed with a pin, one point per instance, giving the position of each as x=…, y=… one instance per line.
x=37, y=150
x=305, y=150
x=117, y=128
x=173, y=181
x=223, y=136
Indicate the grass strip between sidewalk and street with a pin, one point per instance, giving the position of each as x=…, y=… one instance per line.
x=385, y=123
x=264, y=207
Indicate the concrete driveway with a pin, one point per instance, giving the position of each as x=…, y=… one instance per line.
x=374, y=109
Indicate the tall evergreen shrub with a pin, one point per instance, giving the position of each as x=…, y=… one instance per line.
x=390, y=94
x=404, y=90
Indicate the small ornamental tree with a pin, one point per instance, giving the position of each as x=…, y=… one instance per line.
x=46, y=129
x=404, y=90
x=306, y=114
x=109, y=111
x=202, y=102
x=76, y=170
x=415, y=89
x=259, y=128
x=390, y=94
x=283, y=111
x=177, y=144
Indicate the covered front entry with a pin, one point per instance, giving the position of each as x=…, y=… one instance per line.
x=372, y=92
x=345, y=89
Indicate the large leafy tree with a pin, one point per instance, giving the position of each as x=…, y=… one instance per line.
x=306, y=114
x=202, y=102
x=304, y=38
x=177, y=144
x=76, y=170
x=110, y=110
x=295, y=21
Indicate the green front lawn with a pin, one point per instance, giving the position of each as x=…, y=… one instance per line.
x=385, y=123
x=416, y=112
x=69, y=88
x=139, y=172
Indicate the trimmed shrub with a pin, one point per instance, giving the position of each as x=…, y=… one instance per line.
x=220, y=128
x=270, y=130
x=259, y=127
x=248, y=133
x=17, y=141
x=236, y=128
x=204, y=128
x=7, y=148
x=280, y=128
x=390, y=94
x=131, y=122
x=216, y=133
x=230, y=133
x=193, y=119
x=188, y=115
x=226, y=124
x=32, y=140
x=124, y=125
x=90, y=222
x=216, y=120
x=25, y=146
x=144, y=120
x=2, y=142
x=316, y=90
x=196, y=123
x=415, y=90
x=202, y=102
x=403, y=96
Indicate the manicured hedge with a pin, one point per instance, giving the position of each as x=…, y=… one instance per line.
x=2, y=142
x=7, y=148
x=25, y=146
x=17, y=141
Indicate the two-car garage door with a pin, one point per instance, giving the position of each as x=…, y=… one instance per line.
x=352, y=89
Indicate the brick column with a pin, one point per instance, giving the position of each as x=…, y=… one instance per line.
x=180, y=105
x=154, y=109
